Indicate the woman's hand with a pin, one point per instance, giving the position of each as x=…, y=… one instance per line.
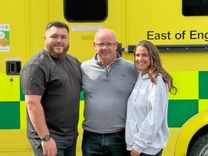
x=134, y=153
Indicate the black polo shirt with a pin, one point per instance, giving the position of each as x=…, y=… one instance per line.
x=58, y=82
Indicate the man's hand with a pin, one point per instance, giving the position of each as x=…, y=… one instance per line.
x=49, y=147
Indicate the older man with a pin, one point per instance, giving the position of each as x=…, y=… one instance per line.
x=107, y=80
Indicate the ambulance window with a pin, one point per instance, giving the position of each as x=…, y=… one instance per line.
x=85, y=10
x=195, y=7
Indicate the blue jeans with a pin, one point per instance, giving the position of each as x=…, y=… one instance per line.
x=113, y=144
x=65, y=146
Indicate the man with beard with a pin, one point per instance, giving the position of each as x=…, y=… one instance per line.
x=51, y=84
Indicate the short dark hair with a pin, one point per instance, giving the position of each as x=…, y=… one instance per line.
x=57, y=24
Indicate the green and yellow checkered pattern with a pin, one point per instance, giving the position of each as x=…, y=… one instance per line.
x=191, y=98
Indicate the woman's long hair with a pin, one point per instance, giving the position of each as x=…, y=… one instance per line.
x=155, y=65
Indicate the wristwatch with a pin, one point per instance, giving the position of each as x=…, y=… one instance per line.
x=45, y=138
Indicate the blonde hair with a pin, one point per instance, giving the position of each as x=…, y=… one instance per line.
x=155, y=65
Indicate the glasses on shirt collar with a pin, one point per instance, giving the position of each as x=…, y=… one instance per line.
x=107, y=44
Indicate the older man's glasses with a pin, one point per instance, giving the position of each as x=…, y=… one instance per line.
x=107, y=44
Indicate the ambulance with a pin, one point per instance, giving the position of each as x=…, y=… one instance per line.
x=179, y=28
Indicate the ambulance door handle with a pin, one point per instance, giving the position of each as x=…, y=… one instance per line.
x=120, y=49
x=13, y=67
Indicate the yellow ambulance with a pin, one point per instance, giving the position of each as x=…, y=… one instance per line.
x=179, y=28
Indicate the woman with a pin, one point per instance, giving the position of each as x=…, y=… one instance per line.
x=146, y=126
